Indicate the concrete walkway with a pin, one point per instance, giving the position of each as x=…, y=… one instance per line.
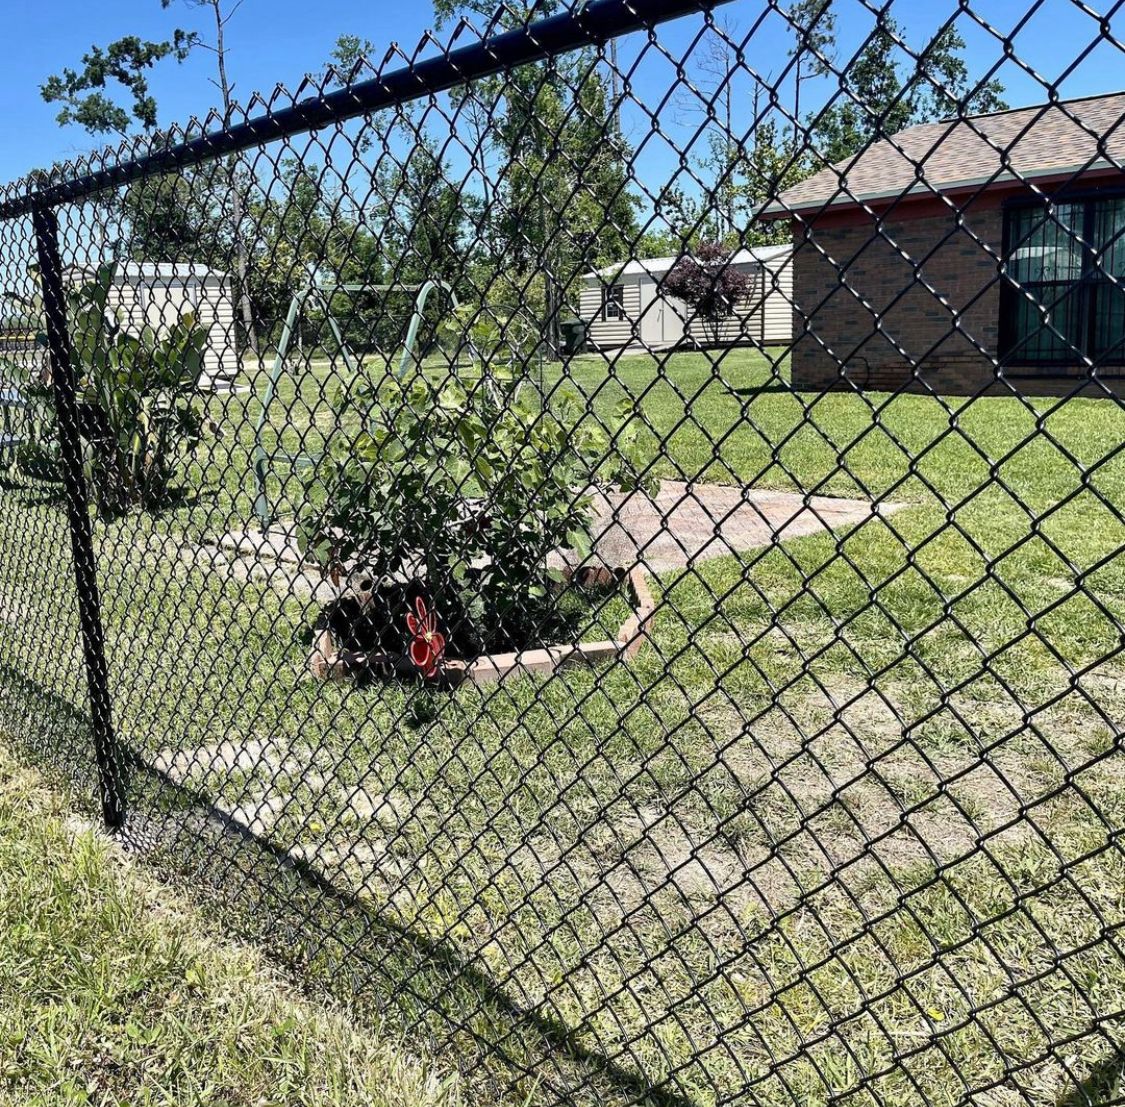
x=689, y=523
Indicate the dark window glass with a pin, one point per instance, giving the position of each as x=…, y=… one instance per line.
x=1065, y=297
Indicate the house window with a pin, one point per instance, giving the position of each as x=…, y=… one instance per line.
x=613, y=303
x=1065, y=296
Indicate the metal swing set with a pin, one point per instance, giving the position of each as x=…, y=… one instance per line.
x=318, y=295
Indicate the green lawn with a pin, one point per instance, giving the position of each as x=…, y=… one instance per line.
x=833, y=726
x=113, y=992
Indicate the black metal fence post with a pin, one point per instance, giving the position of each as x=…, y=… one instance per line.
x=110, y=772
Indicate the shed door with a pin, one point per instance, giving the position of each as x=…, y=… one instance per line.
x=661, y=323
x=650, y=327
x=672, y=314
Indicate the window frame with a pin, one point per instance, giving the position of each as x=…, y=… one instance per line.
x=613, y=295
x=1009, y=343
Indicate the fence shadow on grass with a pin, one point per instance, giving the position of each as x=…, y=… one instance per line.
x=420, y=985
x=417, y=984
x=50, y=732
x=1104, y=1086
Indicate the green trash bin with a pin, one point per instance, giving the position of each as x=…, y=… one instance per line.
x=573, y=334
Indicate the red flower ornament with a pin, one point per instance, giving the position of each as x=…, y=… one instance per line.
x=427, y=643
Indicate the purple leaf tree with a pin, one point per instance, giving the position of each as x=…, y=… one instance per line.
x=708, y=284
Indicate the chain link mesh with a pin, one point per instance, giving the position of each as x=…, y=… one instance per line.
x=602, y=540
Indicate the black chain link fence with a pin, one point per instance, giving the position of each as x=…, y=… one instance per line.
x=602, y=541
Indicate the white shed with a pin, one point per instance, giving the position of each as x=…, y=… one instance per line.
x=160, y=293
x=623, y=306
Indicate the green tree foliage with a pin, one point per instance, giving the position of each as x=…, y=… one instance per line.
x=306, y=232
x=178, y=217
x=561, y=202
x=424, y=215
x=565, y=194
x=346, y=60
x=124, y=64
x=515, y=13
x=887, y=95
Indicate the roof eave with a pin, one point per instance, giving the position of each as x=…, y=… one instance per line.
x=779, y=209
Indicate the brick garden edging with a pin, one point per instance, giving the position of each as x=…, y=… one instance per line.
x=327, y=662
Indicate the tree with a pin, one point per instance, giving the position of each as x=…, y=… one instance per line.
x=743, y=172
x=883, y=103
x=708, y=284
x=560, y=199
x=711, y=100
x=772, y=165
x=814, y=22
x=424, y=215
x=126, y=64
x=345, y=60
x=221, y=15
x=174, y=217
x=565, y=205
x=515, y=13
x=304, y=233
x=943, y=87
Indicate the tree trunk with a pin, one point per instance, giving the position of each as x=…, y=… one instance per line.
x=797, y=101
x=238, y=210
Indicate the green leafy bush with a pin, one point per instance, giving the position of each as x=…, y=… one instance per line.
x=467, y=483
x=136, y=395
x=38, y=453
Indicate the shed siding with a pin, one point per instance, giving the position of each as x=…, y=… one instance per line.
x=611, y=333
x=763, y=317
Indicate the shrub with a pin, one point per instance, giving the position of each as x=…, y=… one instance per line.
x=136, y=397
x=469, y=484
x=708, y=284
x=38, y=452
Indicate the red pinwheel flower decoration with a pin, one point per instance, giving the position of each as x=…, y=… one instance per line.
x=427, y=643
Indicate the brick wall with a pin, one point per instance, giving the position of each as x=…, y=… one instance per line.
x=875, y=323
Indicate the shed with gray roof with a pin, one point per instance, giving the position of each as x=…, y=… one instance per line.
x=624, y=306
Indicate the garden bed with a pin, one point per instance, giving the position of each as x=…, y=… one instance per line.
x=330, y=659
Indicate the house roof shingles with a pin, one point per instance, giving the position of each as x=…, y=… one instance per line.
x=937, y=157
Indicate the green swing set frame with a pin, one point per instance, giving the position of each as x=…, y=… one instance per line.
x=320, y=295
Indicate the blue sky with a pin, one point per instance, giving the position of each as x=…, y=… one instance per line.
x=275, y=41
x=271, y=41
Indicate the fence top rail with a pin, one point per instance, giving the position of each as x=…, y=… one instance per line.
x=586, y=24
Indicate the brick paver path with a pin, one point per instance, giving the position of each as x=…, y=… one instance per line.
x=688, y=523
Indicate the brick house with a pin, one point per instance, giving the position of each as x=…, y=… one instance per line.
x=979, y=254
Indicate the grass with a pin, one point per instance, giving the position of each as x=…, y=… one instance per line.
x=112, y=992
x=843, y=833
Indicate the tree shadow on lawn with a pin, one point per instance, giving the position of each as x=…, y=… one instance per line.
x=763, y=389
